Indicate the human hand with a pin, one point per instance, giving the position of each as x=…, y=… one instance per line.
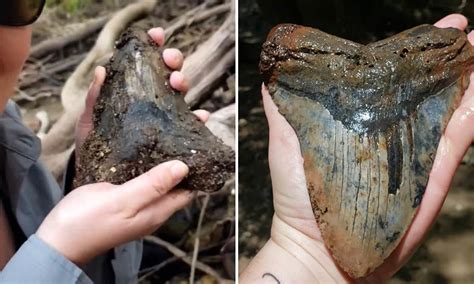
x=294, y=228
x=97, y=217
x=172, y=57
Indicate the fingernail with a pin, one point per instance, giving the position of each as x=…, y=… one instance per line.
x=458, y=21
x=155, y=31
x=167, y=52
x=453, y=21
x=177, y=76
x=179, y=169
x=172, y=52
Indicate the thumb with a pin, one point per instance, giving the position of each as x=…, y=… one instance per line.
x=84, y=124
x=284, y=157
x=153, y=185
x=92, y=94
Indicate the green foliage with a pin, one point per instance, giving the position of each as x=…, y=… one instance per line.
x=70, y=6
x=51, y=3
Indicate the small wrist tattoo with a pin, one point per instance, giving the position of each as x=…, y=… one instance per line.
x=272, y=276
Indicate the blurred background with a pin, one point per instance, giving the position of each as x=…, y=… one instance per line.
x=65, y=49
x=447, y=255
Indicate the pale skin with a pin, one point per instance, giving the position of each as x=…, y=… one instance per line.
x=295, y=252
x=97, y=217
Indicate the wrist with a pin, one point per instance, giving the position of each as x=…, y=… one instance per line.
x=55, y=245
x=307, y=251
x=62, y=243
x=292, y=256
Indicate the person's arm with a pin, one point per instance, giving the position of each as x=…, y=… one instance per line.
x=37, y=262
x=290, y=256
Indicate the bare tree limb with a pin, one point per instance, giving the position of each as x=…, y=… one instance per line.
x=204, y=87
x=210, y=52
x=38, y=94
x=222, y=124
x=53, y=44
x=52, y=69
x=195, y=15
x=42, y=116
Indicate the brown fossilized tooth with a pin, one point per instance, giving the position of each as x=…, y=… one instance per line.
x=140, y=121
x=369, y=119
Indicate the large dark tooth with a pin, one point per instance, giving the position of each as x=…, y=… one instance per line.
x=369, y=119
x=140, y=121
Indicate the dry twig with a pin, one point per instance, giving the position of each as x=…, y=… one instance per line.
x=49, y=70
x=152, y=270
x=196, y=240
x=181, y=254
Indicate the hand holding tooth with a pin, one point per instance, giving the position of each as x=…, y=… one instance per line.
x=298, y=163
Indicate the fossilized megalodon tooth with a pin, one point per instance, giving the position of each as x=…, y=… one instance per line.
x=140, y=121
x=369, y=119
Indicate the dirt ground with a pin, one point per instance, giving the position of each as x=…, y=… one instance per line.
x=447, y=254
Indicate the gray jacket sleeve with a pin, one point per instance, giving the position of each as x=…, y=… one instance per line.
x=36, y=262
x=31, y=192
